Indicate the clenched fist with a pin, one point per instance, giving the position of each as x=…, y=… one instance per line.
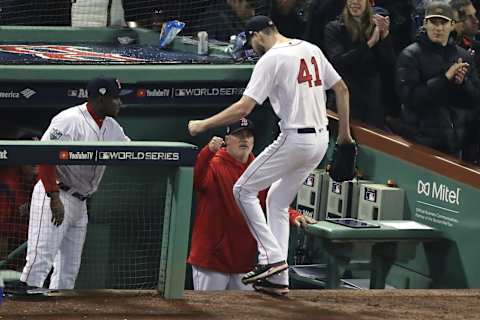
x=215, y=144
x=195, y=127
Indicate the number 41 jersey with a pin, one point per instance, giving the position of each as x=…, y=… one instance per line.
x=294, y=75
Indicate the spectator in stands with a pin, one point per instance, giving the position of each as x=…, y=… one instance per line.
x=223, y=248
x=322, y=13
x=476, y=3
x=227, y=17
x=418, y=15
x=157, y=20
x=359, y=46
x=98, y=13
x=16, y=185
x=402, y=14
x=153, y=13
x=290, y=17
x=466, y=27
x=438, y=86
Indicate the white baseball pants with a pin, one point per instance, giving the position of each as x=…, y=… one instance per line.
x=208, y=280
x=50, y=245
x=283, y=166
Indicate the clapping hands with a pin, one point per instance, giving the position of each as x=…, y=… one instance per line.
x=457, y=71
x=383, y=24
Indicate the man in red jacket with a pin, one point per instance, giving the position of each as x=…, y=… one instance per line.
x=222, y=248
x=16, y=185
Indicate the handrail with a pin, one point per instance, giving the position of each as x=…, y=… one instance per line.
x=423, y=156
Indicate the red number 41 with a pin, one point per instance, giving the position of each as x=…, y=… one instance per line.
x=304, y=74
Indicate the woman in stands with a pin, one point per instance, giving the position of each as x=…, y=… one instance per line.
x=359, y=45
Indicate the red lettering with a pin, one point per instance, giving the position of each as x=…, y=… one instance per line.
x=304, y=74
x=318, y=81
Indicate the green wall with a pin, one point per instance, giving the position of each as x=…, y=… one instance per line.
x=455, y=262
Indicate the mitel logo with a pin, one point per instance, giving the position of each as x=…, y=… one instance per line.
x=423, y=187
x=79, y=155
x=439, y=191
x=4, y=155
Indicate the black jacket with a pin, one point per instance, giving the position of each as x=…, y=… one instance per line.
x=355, y=59
x=437, y=110
x=367, y=71
x=291, y=25
x=220, y=21
x=474, y=45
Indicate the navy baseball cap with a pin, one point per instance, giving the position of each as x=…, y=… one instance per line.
x=242, y=124
x=105, y=86
x=256, y=24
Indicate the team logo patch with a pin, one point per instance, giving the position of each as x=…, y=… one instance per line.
x=55, y=134
x=243, y=122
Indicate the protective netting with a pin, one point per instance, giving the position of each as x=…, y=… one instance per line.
x=124, y=227
x=216, y=16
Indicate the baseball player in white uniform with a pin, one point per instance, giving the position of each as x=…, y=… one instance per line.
x=58, y=213
x=294, y=75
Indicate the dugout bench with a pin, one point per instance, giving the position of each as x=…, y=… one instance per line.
x=393, y=241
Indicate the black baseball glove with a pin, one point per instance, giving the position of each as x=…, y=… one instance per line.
x=343, y=163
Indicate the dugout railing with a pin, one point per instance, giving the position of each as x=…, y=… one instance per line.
x=139, y=218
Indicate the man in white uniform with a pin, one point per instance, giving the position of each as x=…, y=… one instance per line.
x=294, y=74
x=58, y=214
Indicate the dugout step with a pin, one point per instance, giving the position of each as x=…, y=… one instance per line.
x=309, y=276
x=314, y=276
x=359, y=284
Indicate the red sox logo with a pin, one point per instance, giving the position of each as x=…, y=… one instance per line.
x=243, y=122
x=67, y=53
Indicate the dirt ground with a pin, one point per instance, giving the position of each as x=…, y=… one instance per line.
x=233, y=305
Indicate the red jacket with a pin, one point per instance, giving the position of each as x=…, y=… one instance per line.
x=15, y=194
x=221, y=240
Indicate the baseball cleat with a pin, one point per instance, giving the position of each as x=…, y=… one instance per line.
x=271, y=288
x=20, y=288
x=262, y=271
